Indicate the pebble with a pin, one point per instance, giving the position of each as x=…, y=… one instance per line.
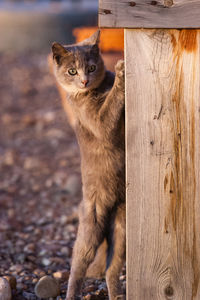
x=55, y=133
x=27, y=278
x=100, y=293
x=58, y=260
x=34, y=280
x=70, y=228
x=43, y=252
x=39, y=272
x=66, y=251
x=90, y=288
x=31, y=258
x=46, y=261
x=17, y=268
x=31, y=163
x=28, y=229
x=6, y=118
x=12, y=281
x=73, y=218
x=73, y=185
x=29, y=120
x=21, y=258
x=21, y=286
x=11, y=213
x=42, y=221
x=61, y=275
x=29, y=296
x=49, y=116
x=87, y=297
x=63, y=219
x=9, y=158
x=47, y=287
x=5, y=289
x=103, y=287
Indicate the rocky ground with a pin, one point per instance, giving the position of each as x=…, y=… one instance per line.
x=40, y=184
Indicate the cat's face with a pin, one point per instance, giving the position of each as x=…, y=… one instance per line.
x=79, y=67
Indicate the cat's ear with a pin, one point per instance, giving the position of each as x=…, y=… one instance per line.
x=92, y=40
x=95, y=38
x=58, y=52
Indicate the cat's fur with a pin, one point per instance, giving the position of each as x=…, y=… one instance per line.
x=97, y=99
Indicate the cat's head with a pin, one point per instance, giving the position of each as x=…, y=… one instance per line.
x=79, y=67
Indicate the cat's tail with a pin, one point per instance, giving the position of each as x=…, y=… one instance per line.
x=98, y=267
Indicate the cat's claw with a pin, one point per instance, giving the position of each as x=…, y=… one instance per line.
x=119, y=68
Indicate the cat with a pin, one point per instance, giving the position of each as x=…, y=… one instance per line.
x=97, y=98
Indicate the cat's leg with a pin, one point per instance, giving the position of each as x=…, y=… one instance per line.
x=89, y=238
x=111, y=110
x=116, y=255
x=98, y=267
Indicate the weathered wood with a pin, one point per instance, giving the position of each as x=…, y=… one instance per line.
x=163, y=164
x=149, y=14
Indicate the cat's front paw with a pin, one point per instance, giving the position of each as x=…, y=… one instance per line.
x=119, y=76
x=119, y=69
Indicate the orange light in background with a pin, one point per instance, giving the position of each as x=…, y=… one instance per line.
x=111, y=39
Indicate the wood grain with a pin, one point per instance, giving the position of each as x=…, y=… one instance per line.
x=149, y=14
x=163, y=164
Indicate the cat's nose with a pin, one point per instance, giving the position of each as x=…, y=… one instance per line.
x=85, y=82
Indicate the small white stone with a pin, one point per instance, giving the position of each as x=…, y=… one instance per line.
x=63, y=219
x=5, y=289
x=43, y=252
x=61, y=275
x=73, y=185
x=65, y=251
x=46, y=261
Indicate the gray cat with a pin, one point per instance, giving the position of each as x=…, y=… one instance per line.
x=97, y=99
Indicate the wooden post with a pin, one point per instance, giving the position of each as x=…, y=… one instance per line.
x=162, y=146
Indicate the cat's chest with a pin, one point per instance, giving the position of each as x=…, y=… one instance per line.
x=84, y=117
x=85, y=134
x=88, y=120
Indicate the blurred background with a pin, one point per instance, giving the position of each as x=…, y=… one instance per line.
x=30, y=25
x=40, y=182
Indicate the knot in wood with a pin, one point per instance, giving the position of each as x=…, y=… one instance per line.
x=154, y=2
x=107, y=11
x=168, y=3
x=169, y=291
x=132, y=3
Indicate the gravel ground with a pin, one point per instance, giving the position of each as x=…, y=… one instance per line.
x=40, y=185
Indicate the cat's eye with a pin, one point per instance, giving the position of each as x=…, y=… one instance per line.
x=92, y=68
x=72, y=71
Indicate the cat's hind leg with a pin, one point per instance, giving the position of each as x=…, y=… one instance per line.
x=91, y=233
x=116, y=254
x=97, y=268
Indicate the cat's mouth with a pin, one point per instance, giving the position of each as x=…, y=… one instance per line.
x=85, y=88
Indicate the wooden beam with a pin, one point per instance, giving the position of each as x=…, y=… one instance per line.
x=149, y=14
x=163, y=164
